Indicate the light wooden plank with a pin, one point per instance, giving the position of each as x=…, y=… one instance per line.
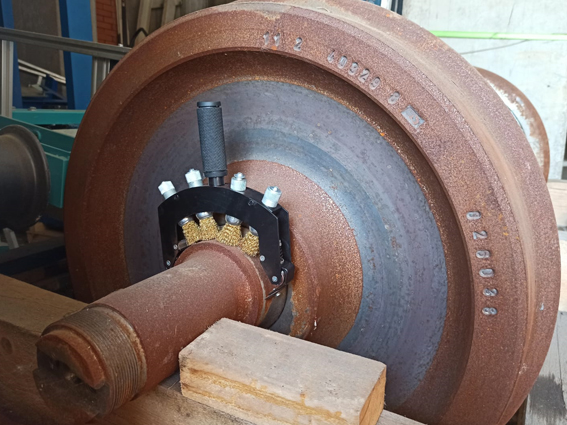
x=269, y=378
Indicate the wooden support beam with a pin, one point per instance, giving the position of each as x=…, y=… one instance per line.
x=271, y=379
x=24, y=312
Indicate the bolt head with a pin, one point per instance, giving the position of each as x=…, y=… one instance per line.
x=184, y=221
x=262, y=258
x=167, y=189
x=168, y=263
x=274, y=279
x=194, y=178
x=203, y=215
x=238, y=182
x=272, y=196
x=232, y=220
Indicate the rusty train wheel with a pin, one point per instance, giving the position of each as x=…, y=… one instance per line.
x=419, y=214
x=526, y=115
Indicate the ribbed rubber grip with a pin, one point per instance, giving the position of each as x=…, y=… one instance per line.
x=211, y=134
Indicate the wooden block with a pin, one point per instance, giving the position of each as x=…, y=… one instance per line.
x=268, y=378
x=24, y=312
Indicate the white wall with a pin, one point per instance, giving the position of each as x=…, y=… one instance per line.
x=538, y=68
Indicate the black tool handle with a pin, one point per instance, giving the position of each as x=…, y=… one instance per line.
x=211, y=134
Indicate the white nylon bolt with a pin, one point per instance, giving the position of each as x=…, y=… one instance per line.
x=238, y=182
x=272, y=196
x=194, y=178
x=167, y=189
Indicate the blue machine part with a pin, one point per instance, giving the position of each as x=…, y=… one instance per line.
x=76, y=23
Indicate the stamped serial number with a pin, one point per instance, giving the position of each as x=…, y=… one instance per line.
x=486, y=272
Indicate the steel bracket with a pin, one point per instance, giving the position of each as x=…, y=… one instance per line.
x=272, y=225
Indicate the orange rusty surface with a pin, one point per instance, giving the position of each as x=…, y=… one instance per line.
x=327, y=287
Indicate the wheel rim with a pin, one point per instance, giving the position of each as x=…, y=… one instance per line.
x=488, y=354
x=526, y=115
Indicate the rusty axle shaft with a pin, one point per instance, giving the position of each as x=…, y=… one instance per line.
x=97, y=359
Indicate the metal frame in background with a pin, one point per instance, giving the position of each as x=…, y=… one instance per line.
x=7, y=21
x=104, y=57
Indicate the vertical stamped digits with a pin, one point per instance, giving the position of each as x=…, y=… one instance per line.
x=364, y=75
x=375, y=83
x=331, y=57
x=353, y=68
x=473, y=215
x=490, y=292
x=394, y=98
x=480, y=235
x=298, y=43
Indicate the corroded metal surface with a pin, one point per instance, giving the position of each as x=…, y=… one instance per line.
x=526, y=115
x=95, y=360
x=468, y=155
x=327, y=287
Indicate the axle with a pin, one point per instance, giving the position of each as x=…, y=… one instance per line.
x=97, y=359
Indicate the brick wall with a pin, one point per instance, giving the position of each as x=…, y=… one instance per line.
x=106, y=21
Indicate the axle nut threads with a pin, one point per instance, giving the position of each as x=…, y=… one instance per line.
x=90, y=363
x=208, y=228
x=272, y=196
x=167, y=189
x=238, y=182
x=211, y=135
x=194, y=178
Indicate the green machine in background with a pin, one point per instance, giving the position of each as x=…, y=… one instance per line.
x=56, y=144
